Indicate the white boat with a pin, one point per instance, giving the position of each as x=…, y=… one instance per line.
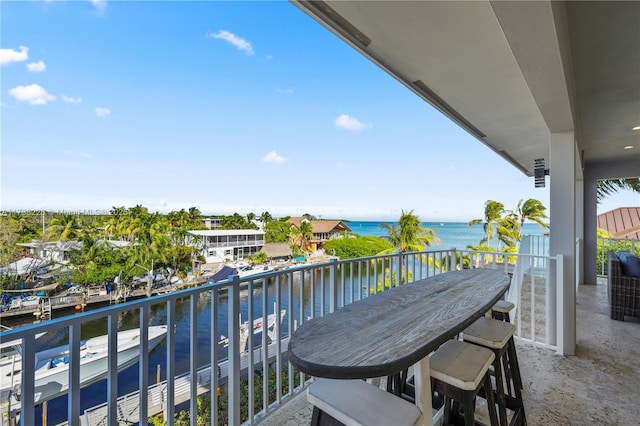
x=258, y=327
x=245, y=270
x=52, y=365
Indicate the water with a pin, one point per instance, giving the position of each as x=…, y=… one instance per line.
x=453, y=234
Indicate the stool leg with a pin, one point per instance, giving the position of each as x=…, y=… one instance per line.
x=447, y=411
x=506, y=366
x=517, y=384
x=513, y=360
x=491, y=405
x=502, y=403
x=469, y=411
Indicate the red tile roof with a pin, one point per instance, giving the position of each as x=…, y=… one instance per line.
x=623, y=222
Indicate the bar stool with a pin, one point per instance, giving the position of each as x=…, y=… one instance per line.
x=498, y=336
x=459, y=371
x=501, y=309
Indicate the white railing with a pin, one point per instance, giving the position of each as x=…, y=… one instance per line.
x=201, y=315
x=615, y=244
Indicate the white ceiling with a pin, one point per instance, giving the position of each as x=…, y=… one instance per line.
x=510, y=72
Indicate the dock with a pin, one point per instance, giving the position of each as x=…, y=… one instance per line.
x=128, y=404
x=71, y=301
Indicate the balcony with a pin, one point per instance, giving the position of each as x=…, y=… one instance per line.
x=598, y=385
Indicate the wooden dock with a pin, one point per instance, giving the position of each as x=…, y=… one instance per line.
x=128, y=404
x=71, y=301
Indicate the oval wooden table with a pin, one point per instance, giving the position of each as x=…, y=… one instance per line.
x=388, y=332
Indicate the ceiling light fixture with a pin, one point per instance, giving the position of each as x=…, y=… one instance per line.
x=628, y=147
x=636, y=128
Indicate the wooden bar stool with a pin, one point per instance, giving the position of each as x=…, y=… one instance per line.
x=459, y=371
x=501, y=309
x=498, y=336
x=355, y=402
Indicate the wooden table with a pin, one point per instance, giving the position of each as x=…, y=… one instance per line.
x=388, y=332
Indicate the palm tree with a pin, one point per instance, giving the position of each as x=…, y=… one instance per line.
x=408, y=234
x=493, y=211
x=265, y=217
x=532, y=210
x=301, y=236
x=65, y=227
x=608, y=187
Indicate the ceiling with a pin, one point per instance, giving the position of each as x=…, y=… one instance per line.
x=510, y=72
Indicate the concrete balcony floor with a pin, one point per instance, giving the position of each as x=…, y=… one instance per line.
x=599, y=385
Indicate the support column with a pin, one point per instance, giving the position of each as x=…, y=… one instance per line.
x=562, y=166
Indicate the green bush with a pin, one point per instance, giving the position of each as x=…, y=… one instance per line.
x=356, y=246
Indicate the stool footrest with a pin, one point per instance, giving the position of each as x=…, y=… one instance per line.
x=355, y=402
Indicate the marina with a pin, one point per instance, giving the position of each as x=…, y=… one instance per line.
x=128, y=405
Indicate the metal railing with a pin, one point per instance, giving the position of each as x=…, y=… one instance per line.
x=256, y=377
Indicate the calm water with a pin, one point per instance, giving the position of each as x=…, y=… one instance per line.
x=452, y=234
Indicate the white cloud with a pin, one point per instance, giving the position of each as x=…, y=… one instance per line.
x=99, y=4
x=34, y=94
x=71, y=100
x=9, y=55
x=274, y=158
x=36, y=66
x=349, y=123
x=103, y=112
x=285, y=91
x=238, y=42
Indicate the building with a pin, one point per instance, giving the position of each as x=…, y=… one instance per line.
x=223, y=245
x=623, y=222
x=323, y=230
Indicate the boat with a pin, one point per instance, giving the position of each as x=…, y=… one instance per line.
x=248, y=270
x=52, y=365
x=258, y=327
x=242, y=269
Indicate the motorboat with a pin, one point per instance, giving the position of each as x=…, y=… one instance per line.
x=52, y=365
x=258, y=327
x=242, y=269
x=248, y=270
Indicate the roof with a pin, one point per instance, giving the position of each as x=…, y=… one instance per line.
x=53, y=245
x=277, y=250
x=226, y=232
x=510, y=73
x=623, y=222
x=319, y=226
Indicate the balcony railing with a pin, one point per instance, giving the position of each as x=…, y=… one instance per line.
x=205, y=316
x=615, y=244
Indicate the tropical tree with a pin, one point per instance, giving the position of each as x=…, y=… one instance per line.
x=65, y=227
x=408, y=234
x=265, y=218
x=277, y=231
x=251, y=217
x=300, y=236
x=532, y=210
x=493, y=211
x=607, y=187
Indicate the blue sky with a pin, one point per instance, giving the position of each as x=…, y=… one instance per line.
x=229, y=107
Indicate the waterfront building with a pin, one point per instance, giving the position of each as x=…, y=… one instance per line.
x=323, y=230
x=219, y=245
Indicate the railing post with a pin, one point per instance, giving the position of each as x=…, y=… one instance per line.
x=233, y=381
x=399, y=270
x=333, y=285
x=559, y=312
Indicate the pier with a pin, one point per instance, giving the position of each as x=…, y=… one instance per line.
x=128, y=404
